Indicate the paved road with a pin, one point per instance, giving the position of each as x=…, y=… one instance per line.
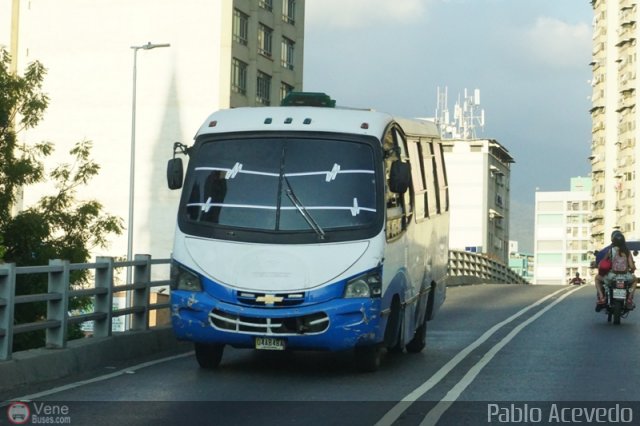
x=495, y=354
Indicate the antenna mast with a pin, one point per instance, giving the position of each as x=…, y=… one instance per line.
x=467, y=115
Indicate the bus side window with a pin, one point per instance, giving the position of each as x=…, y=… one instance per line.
x=418, y=179
x=407, y=197
x=399, y=206
x=430, y=177
x=442, y=177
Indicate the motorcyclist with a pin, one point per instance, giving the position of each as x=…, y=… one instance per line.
x=576, y=280
x=622, y=266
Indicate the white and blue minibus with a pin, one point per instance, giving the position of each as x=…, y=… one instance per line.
x=309, y=228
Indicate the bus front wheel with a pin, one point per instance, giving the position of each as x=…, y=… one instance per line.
x=368, y=358
x=209, y=355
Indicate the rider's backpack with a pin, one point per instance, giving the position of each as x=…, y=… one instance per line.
x=618, y=263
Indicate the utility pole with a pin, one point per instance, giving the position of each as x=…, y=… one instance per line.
x=13, y=69
x=15, y=27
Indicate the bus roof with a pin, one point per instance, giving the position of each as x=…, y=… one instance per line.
x=313, y=119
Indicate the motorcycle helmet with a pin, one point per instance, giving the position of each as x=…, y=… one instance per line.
x=617, y=238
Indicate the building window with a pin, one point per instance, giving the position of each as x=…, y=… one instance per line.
x=263, y=93
x=289, y=11
x=265, y=35
x=285, y=89
x=239, y=76
x=287, y=53
x=266, y=4
x=240, y=27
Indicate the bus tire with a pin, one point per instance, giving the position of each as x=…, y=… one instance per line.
x=209, y=355
x=419, y=341
x=368, y=358
x=393, y=332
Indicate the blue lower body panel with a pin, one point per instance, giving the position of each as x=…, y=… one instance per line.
x=334, y=325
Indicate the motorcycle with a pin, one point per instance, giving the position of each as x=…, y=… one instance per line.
x=616, y=295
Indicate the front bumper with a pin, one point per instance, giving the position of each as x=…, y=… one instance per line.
x=332, y=325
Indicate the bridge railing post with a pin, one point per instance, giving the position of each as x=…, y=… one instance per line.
x=7, y=298
x=140, y=299
x=58, y=308
x=104, y=300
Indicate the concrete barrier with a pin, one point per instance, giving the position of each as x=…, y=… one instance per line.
x=41, y=365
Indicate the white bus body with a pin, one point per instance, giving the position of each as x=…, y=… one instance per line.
x=290, y=234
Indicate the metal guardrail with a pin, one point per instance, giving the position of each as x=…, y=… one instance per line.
x=59, y=293
x=466, y=267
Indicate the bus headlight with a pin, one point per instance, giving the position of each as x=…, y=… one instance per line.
x=183, y=279
x=366, y=285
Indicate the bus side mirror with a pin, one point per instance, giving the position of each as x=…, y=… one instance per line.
x=174, y=173
x=399, y=177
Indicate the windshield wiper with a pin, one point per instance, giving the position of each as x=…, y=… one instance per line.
x=303, y=211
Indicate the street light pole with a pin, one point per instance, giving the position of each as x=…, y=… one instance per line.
x=132, y=165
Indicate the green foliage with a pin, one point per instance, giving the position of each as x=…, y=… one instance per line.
x=57, y=227
x=22, y=105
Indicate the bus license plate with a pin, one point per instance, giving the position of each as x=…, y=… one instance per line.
x=270, y=344
x=619, y=293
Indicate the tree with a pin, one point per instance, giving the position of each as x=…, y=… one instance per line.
x=59, y=226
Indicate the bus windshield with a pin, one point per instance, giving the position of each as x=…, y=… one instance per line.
x=282, y=184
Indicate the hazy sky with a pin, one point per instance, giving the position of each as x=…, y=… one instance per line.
x=529, y=58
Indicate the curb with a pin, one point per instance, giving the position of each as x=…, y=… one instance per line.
x=41, y=365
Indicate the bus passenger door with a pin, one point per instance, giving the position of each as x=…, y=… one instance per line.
x=400, y=262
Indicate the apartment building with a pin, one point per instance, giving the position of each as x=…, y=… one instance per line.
x=267, y=56
x=478, y=172
x=520, y=262
x=615, y=117
x=562, y=236
x=206, y=55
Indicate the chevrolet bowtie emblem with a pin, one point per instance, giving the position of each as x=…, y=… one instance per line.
x=269, y=299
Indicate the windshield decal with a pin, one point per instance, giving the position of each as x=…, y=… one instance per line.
x=237, y=168
x=333, y=173
x=206, y=206
x=329, y=175
x=233, y=172
x=355, y=209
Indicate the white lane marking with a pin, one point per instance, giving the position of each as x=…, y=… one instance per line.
x=392, y=415
x=436, y=412
x=128, y=370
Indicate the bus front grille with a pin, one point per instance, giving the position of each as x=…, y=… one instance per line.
x=277, y=300
x=306, y=324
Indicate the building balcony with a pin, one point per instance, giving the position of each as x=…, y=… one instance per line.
x=626, y=143
x=597, y=127
x=599, y=38
x=626, y=102
x=597, y=48
x=628, y=82
x=625, y=41
x=626, y=4
x=595, y=199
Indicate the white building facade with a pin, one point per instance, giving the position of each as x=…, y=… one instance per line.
x=615, y=119
x=478, y=172
x=562, y=236
x=222, y=54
